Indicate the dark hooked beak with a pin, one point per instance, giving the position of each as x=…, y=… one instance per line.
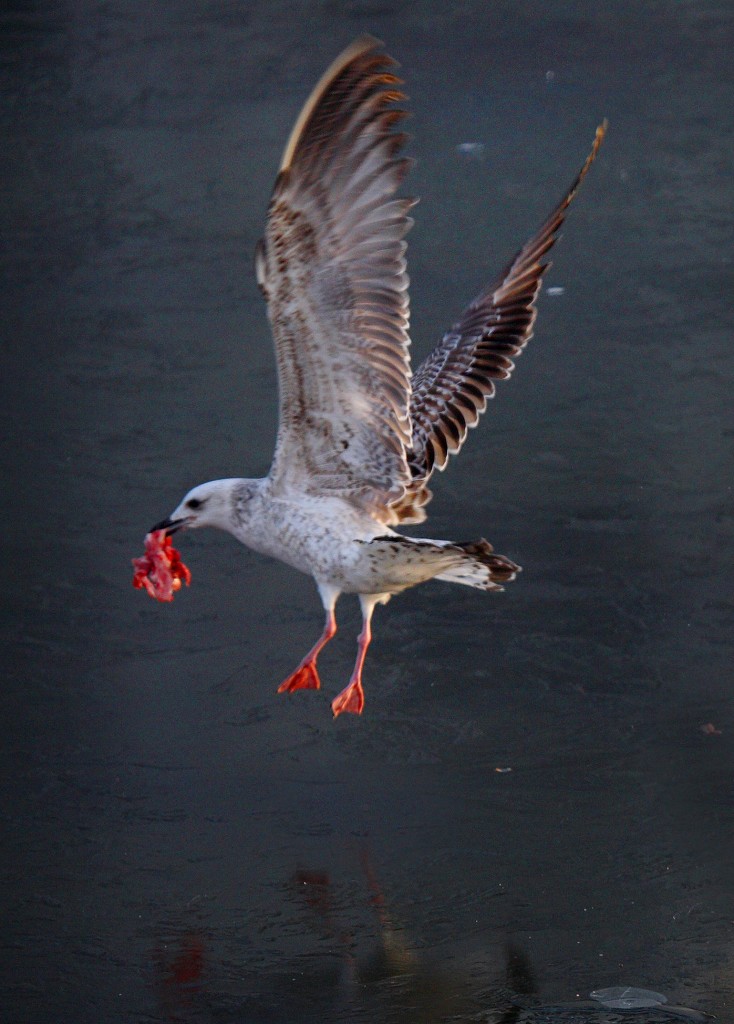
x=169, y=525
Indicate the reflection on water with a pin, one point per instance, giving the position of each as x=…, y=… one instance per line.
x=181, y=845
x=178, y=967
x=378, y=974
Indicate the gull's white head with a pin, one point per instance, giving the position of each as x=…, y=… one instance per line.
x=219, y=503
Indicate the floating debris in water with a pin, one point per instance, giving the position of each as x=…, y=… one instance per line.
x=709, y=729
x=555, y=290
x=549, y=76
x=471, y=150
x=624, y=997
x=503, y=771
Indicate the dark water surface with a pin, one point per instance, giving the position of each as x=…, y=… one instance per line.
x=179, y=843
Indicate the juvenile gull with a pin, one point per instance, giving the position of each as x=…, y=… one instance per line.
x=359, y=435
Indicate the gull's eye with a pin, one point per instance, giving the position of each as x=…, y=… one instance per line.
x=193, y=503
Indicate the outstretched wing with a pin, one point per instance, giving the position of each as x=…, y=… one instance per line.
x=332, y=268
x=451, y=387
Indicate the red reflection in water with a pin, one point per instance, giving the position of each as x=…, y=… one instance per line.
x=179, y=969
x=316, y=886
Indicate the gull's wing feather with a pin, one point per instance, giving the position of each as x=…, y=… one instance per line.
x=451, y=387
x=332, y=267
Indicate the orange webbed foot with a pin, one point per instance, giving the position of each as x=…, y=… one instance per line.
x=350, y=699
x=304, y=678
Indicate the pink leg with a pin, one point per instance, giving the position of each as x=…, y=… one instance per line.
x=352, y=696
x=306, y=676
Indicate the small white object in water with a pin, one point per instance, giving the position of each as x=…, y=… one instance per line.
x=549, y=76
x=473, y=150
x=555, y=290
x=624, y=997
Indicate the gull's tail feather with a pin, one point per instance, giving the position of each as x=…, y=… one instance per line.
x=481, y=567
x=405, y=561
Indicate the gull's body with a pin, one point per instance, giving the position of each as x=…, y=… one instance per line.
x=359, y=436
x=325, y=537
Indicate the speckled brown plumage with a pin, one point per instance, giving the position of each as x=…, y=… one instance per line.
x=451, y=386
x=353, y=421
x=332, y=266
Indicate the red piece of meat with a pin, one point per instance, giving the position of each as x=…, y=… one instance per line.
x=160, y=570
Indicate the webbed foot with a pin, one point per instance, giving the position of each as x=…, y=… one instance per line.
x=304, y=678
x=350, y=699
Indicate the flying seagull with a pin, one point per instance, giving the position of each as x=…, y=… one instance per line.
x=359, y=434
